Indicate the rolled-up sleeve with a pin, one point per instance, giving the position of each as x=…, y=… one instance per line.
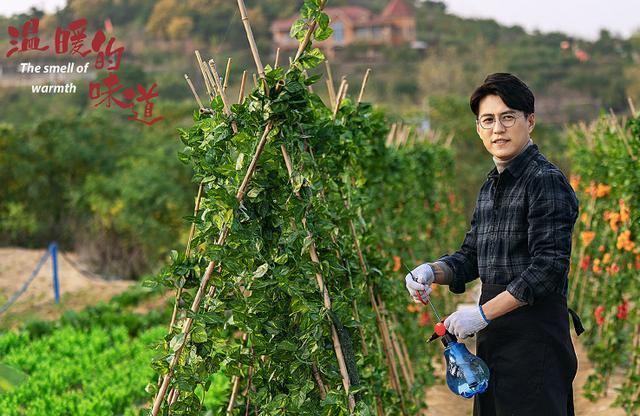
x=553, y=210
x=464, y=262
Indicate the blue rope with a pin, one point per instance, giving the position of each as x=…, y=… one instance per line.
x=26, y=284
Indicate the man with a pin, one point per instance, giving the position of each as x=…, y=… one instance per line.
x=519, y=245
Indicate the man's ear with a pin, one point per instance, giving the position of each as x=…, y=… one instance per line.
x=531, y=122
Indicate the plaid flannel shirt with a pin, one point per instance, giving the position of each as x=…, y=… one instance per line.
x=520, y=232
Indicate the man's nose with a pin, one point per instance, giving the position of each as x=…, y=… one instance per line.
x=498, y=127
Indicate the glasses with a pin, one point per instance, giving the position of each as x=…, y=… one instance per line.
x=507, y=120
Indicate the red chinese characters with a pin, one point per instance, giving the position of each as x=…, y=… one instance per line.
x=28, y=38
x=73, y=40
x=76, y=35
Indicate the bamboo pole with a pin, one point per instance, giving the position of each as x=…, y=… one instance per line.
x=631, y=107
x=242, y=84
x=235, y=381
x=219, y=87
x=398, y=351
x=341, y=92
x=364, y=84
x=330, y=87
x=193, y=90
x=195, y=306
x=307, y=37
x=255, y=80
x=391, y=135
x=318, y=379
x=225, y=84
x=204, y=76
x=207, y=72
x=252, y=44
x=275, y=63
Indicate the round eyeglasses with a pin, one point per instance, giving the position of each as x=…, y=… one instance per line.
x=507, y=120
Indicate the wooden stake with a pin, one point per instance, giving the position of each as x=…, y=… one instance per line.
x=252, y=44
x=242, y=83
x=316, y=376
x=275, y=64
x=207, y=72
x=631, y=107
x=307, y=37
x=391, y=135
x=193, y=90
x=341, y=92
x=364, y=83
x=329, y=80
x=204, y=76
x=226, y=75
x=255, y=80
x=219, y=87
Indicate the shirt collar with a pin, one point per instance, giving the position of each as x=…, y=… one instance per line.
x=517, y=165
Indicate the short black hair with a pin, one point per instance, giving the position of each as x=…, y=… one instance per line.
x=515, y=93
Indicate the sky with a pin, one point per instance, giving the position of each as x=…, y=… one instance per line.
x=581, y=18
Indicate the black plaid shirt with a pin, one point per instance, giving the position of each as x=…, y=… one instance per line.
x=521, y=230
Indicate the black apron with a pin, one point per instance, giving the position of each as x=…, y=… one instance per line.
x=531, y=359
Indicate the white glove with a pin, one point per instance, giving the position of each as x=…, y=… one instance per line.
x=466, y=322
x=420, y=279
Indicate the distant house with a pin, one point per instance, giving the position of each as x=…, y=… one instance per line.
x=353, y=25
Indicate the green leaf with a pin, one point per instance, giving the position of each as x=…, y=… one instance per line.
x=240, y=161
x=198, y=334
x=321, y=34
x=260, y=271
x=281, y=259
x=177, y=342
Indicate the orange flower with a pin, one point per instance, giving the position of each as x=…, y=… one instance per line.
x=587, y=237
x=624, y=211
x=452, y=198
x=596, y=266
x=602, y=190
x=606, y=258
x=614, y=268
x=584, y=217
x=614, y=218
x=396, y=263
x=591, y=189
x=624, y=241
x=601, y=248
x=574, y=181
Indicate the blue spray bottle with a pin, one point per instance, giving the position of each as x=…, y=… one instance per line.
x=467, y=375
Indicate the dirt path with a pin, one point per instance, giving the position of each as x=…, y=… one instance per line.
x=442, y=402
x=76, y=290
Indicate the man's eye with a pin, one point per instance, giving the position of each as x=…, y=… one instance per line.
x=508, y=117
x=487, y=120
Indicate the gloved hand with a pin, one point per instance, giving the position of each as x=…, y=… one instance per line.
x=421, y=280
x=466, y=322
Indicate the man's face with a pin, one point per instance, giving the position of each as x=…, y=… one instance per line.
x=503, y=142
